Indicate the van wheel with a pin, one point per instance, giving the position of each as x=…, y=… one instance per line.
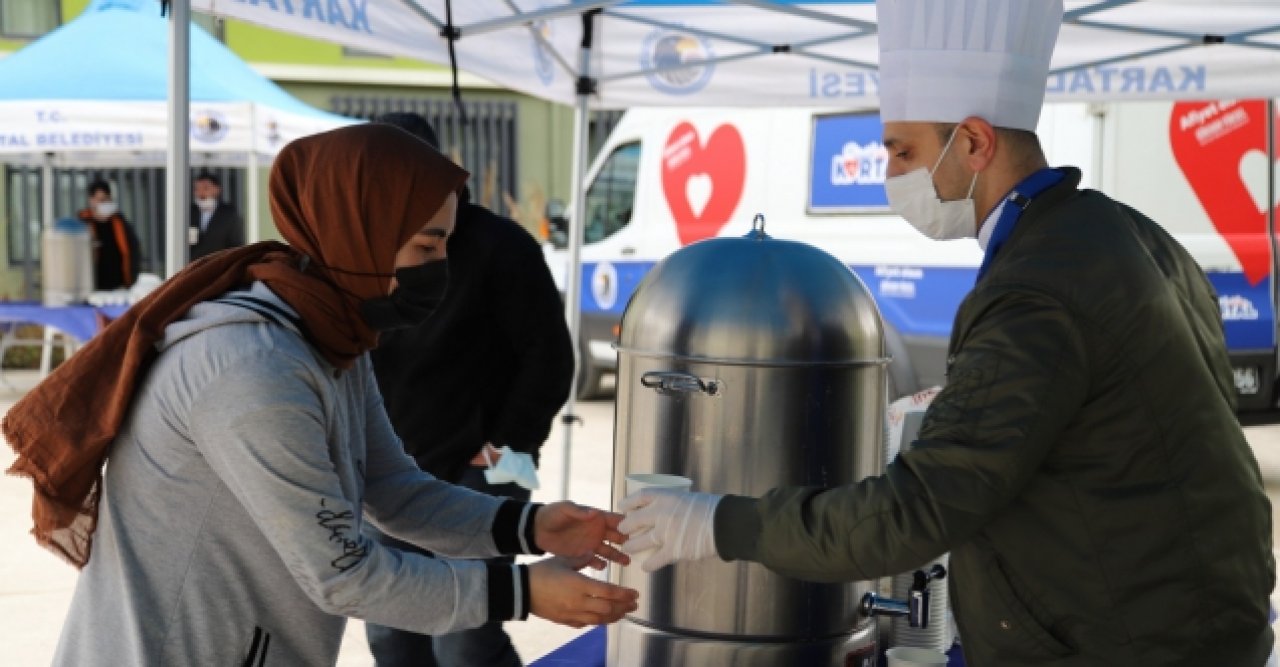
x=590, y=377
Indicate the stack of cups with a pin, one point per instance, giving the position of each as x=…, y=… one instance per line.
x=902, y=424
x=940, y=634
x=907, y=656
x=637, y=481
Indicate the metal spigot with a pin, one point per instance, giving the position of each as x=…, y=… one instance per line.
x=915, y=607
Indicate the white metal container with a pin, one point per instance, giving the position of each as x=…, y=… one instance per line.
x=66, y=263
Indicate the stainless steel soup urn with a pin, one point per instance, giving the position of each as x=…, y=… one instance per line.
x=746, y=364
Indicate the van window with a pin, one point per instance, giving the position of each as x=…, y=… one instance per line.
x=612, y=194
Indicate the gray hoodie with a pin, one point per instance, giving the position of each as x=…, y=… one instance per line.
x=229, y=528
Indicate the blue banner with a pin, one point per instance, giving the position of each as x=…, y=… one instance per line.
x=848, y=164
x=1247, y=314
x=608, y=286
x=918, y=300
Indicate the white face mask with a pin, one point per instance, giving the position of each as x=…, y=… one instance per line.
x=105, y=209
x=512, y=466
x=913, y=196
x=207, y=204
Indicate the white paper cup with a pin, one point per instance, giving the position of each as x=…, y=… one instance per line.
x=653, y=480
x=910, y=656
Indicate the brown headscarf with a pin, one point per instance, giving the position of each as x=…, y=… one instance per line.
x=347, y=200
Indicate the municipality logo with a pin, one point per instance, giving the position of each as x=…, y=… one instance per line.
x=676, y=63
x=604, y=285
x=209, y=126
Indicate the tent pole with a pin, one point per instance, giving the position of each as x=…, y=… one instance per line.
x=573, y=292
x=178, y=163
x=252, y=234
x=251, y=218
x=1272, y=153
x=47, y=218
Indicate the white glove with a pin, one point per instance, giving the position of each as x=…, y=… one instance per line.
x=677, y=525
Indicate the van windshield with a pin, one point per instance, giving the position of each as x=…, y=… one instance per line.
x=612, y=194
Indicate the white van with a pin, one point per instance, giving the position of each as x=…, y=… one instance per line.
x=673, y=176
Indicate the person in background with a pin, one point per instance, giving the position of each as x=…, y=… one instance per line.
x=1083, y=465
x=248, y=445
x=215, y=224
x=115, y=245
x=490, y=369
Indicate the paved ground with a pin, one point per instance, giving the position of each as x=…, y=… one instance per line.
x=36, y=587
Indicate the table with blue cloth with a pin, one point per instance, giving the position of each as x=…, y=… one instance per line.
x=79, y=322
x=588, y=650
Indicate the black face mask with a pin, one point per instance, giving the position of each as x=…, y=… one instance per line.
x=419, y=291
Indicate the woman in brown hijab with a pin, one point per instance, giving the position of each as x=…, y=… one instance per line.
x=245, y=444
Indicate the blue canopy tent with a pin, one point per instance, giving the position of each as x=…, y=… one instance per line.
x=95, y=93
x=76, y=94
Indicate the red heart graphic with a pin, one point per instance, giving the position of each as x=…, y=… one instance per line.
x=851, y=166
x=722, y=160
x=1209, y=141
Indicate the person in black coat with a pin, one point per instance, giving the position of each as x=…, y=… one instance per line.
x=214, y=224
x=116, y=251
x=491, y=367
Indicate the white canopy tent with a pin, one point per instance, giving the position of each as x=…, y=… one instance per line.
x=123, y=133
x=780, y=52
x=617, y=54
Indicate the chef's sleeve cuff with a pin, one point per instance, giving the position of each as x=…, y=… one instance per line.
x=737, y=528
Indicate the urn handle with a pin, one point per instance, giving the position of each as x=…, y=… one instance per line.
x=674, y=382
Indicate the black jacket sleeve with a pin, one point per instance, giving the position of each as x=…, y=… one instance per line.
x=1013, y=386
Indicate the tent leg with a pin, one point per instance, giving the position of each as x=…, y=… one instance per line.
x=573, y=291
x=1273, y=153
x=48, y=219
x=178, y=165
x=251, y=176
x=252, y=234
x=251, y=218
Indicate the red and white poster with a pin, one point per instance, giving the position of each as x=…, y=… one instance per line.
x=1221, y=148
x=703, y=182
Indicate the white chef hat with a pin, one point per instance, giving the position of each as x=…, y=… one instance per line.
x=945, y=60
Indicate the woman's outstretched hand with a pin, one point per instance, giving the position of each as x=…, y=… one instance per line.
x=584, y=536
x=557, y=592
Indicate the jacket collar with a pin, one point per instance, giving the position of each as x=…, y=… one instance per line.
x=1055, y=195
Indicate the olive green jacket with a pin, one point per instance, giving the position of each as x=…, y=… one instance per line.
x=1084, y=465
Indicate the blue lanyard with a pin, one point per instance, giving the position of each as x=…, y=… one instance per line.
x=1014, y=204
